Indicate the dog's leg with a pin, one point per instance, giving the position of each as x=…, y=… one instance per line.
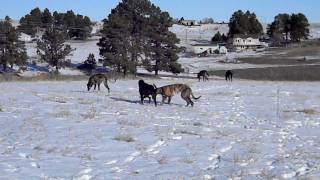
x=141, y=97
x=99, y=87
x=169, y=99
x=163, y=99
x=191, y=102
x=95, y=85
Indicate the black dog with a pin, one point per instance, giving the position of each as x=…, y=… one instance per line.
x=228, y=75
x=146, y=90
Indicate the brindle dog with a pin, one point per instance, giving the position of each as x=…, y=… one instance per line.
x=170, y=90
x=97, y=79
x=204, y=74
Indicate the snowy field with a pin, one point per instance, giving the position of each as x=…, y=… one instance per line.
x=58, y=130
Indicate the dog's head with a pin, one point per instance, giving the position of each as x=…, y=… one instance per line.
x=141, y=82
x=89, y=85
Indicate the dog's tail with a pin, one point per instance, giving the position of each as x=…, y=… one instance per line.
x=207, y=73
x=196, y=98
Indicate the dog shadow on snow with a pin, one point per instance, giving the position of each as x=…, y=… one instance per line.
x=145, y=102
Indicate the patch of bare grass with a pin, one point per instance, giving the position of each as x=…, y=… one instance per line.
x=305, y=111
x=187, y=132
x=124, y=137
x=63, y=113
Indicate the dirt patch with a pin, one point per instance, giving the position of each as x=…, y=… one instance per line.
x=286, y=73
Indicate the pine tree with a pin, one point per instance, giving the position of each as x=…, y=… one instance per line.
x=244, y=24
x=114, y=43
x=162, y=49
x=299, y=27
x=128, y=36
x=90, y=59
x=46, y=18
x=52, y=49
x=295, y=26
x=12, y=51
x=280, y=27
x=217, y=38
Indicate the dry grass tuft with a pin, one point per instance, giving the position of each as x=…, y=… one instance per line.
x=63, y=113
x=124, y=138
x=305, y=111
x=91, y=114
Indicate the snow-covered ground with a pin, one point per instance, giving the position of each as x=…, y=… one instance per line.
x=243, y=129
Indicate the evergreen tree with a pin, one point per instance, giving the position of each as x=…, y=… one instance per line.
x=77, y=26
x=244, y=24
x=162, y=49
x=217, y=38
x=114, y=43
x=52, y=49
x=46, y=18
x=128, y=36
x=58, y=19
x=81, y=28
x=12, y=51
x=299, y=27
x=90, y=59
x=280, y=27
x=295, y=26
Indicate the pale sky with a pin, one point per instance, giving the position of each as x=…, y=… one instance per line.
x=219, y=10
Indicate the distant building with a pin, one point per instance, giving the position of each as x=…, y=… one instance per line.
x=248, y=42
x=205, y=49
x=189, y=22
x=25, y=37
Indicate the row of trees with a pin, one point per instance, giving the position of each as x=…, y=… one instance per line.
x=287, y=26
x=12, y=50
x=137, y=33
x=293, y=27
x=77, y=26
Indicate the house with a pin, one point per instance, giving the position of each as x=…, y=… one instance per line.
x=249, y=42
x=205, y=49
x=223, y=50
x=25, y=37
x=189, y=22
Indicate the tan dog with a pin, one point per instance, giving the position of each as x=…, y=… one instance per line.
x=170, y=90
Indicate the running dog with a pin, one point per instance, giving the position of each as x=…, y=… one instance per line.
x=170, y=90
x=204, y=74
x=97, y=79
x=229, y=75
x=147, y=90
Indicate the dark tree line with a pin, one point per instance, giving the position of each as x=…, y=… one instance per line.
x=293, y=27
x=137, y=33
x=77, y=26
x=12, y=50
x=219, y=38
